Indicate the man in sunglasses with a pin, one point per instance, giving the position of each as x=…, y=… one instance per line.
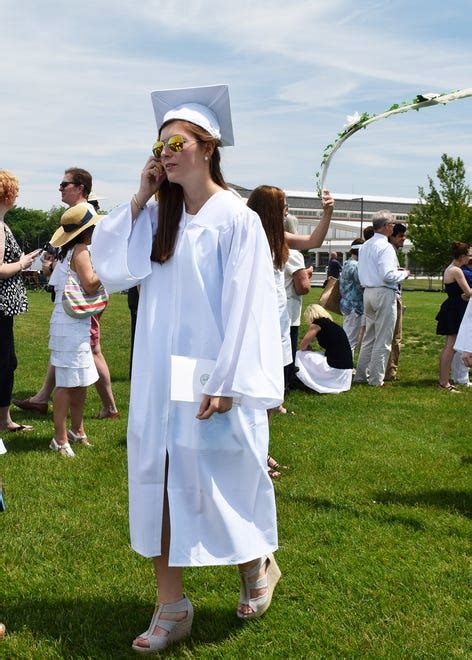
x=380, y=275
x=75, y=186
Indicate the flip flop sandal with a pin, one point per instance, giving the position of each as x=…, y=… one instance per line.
x=449, y=388
x=17, y=429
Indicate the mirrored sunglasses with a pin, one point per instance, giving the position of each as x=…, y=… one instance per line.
x=175, y=143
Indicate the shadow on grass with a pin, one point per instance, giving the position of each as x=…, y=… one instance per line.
x=467, y=460
x=321, y=504
x=455, y=501
x=99, y=628
x=17, y=443
x=417, y=382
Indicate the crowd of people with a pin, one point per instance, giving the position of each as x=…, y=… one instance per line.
x=218, y=284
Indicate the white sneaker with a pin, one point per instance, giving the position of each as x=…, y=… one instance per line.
x=64, y=450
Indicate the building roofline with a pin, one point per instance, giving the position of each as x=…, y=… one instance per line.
x=354, y=197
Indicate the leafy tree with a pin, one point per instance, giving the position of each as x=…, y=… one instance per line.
x=443, y=216
x=33, y=228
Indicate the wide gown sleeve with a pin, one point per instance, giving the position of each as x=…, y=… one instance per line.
x=249, y=363
x=464, y=337
x=121, y=250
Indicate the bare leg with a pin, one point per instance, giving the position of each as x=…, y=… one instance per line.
x=103, y=384
x=47, y=387
x=169, y=578
x=6, y=422
x=445, y=360
x=5, y=418
x=60, y=412
x=77, y=404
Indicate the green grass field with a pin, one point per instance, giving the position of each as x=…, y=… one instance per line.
x=374, y=522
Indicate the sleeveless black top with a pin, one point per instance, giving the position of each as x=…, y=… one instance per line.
x=334, y=340
x=13, y=298
x=451, y=311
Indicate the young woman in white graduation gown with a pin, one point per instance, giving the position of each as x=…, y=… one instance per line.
x=199, y=491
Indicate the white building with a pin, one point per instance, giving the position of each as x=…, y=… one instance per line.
x=351, y=215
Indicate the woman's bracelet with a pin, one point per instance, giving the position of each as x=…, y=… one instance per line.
x=135, y=200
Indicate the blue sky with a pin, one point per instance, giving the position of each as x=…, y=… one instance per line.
x=76, y=83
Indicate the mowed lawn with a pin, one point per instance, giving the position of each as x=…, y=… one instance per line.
x=374, y=521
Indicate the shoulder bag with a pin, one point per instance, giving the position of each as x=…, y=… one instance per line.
x=76, y=302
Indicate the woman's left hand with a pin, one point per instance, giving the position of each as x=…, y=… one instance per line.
x=214, y=404
x=327, y=200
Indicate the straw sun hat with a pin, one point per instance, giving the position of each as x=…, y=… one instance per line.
x=73, y=222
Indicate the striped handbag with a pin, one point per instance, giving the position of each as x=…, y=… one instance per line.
x=79, y=304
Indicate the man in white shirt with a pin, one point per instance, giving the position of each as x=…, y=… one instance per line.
x=380, y=276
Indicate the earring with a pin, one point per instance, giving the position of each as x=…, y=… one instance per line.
x=206, y=158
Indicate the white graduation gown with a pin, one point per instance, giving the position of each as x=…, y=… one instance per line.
x=214, y=298
x=464, y=336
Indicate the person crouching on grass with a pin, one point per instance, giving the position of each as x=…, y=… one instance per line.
x=329, y=372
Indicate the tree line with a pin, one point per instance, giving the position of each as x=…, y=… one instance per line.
x=33, y=228
x=443, y=215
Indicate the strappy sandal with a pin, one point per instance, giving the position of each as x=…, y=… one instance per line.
x=249, y=580
x=79, y=439
x=449, y=388
x=107, y=414
x=273, y=468
x=273, y=465
x=176, y=630
x=64, y=450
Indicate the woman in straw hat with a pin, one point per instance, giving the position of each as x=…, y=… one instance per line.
x=69, y=341
x=197, y=445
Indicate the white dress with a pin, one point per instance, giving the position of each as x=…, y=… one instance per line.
x=315, y=372
x=295, y=262
x=214, y=299
x=69, y=339
x=284, y=318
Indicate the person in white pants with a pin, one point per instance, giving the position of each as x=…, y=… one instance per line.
x=380, y=275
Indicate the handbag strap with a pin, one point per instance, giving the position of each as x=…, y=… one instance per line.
x=69, y=259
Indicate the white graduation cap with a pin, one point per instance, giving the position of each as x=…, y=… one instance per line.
x=207, y=107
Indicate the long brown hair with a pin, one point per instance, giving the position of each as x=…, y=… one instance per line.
x=269, y=204
x=171, y=198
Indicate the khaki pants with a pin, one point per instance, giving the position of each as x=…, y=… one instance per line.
x=380, y=308
x=352, y=327
x=392, y=366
